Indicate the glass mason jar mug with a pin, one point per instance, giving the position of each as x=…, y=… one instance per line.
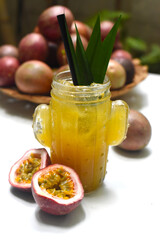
x=78, y=126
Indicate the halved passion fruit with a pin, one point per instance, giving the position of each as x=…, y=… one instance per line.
x=57, y=189
x=22, y=171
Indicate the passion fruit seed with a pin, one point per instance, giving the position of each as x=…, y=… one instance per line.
x=22, y=171
x=58, y=183
x=57, y=189
x=26, y=170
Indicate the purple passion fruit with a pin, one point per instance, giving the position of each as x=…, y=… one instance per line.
x=121, y=53
x=139, y=132
x=9, y=50
x=22, y=171
x=62, y=68
x=128, y=66
x=34, y=77
x=48, y=22
x=106, y=27
x=57, y=189
x=52, y=55
x=8, y=68
x=83, y=29
x=33, y=46
x=116, y=74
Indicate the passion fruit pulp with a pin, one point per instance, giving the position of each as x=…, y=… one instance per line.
x=57, y=189
x=22, y=171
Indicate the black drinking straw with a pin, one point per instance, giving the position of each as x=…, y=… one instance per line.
x=63, y=27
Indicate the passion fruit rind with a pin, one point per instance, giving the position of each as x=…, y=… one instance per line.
x=57, y=189
x=22, y=171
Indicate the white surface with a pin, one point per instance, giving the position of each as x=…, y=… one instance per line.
x=127, y=206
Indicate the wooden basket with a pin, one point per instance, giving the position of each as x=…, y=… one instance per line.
x=141, y=73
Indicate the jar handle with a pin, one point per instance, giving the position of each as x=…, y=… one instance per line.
x=118, y=123
x=42, y=123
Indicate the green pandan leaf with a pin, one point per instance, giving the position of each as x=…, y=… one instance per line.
x=86, y=77
x=99, y=53
x=90, y=65
x=69, y=48
x=94, y=42
x=107, y=47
